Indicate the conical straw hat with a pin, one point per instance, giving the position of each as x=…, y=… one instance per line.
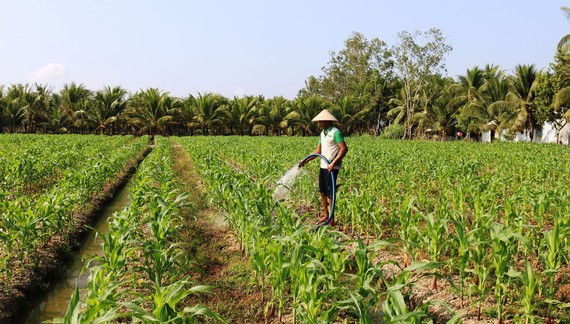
x=325, y=115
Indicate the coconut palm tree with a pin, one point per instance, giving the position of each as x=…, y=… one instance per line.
x=441, y=114
x=561, y=105
x=2, y=107
x=152, y=110
x=36, y=106
x=482, y=88
x=564, y=44
x=398, y=111
x=74, y=101
x=305, y=110
x=186, y=114
x=211, y=112
x=107, y=105
x=57, y=121
x=242, y=113
x=348, y=115
x=472, y=84
x=272, y=115
x=14, y=113
x=518, y=109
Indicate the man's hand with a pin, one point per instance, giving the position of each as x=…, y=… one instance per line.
x=330, y=167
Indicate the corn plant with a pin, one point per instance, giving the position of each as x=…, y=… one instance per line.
x=102, y=296
x=503, y=246
x=435, y=230
x=394, y=307
x=165, y=308
x=364, y=294
x=460, y=261
x=408, y=230
x=389, y=189
x=529, y=279
x=479, y=266
x=552, y=260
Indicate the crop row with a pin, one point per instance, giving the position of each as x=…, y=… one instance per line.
x=143, y=273
x=29, y=223
x=474, y=210
x=29, y=163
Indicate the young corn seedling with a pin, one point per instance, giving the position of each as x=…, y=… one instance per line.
x=504, y=246
x=552, y=260
x=529, y=280
x=364, y=294
x=463, y=242
x=408, y=230
x=436, y=228
x=394, y=307
x=165, y=308
x=480, y=269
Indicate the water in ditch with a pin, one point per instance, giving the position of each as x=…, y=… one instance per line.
x=54, y=304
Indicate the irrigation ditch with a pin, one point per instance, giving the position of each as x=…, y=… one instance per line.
x=41, y=290
x=54, y=302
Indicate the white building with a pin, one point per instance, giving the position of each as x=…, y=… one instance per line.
x=546, y=135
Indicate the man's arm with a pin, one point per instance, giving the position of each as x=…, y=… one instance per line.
x=316, y=151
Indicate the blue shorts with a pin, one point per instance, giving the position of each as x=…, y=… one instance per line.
x=325, y=181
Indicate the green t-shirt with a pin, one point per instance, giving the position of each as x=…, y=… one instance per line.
x=338, y=137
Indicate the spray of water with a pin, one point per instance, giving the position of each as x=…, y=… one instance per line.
x=285, y=184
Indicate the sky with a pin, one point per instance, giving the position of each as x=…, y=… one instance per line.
x=252, y=47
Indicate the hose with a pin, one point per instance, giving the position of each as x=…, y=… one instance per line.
x=333, y=186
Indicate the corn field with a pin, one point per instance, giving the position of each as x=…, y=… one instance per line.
x=487, y=223
x=492, y=220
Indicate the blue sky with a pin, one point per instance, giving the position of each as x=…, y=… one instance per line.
x=249, y=47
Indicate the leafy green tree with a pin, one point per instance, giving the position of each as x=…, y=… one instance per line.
x=362, y=70
x=211, y=112
x=74, y=101
x=242, y=112
x=351, y=70
x=152, y=110
x=440, y=114
x=107, y=105
x=305, y=110
x=273, y=114
x=415, y=62
x=36, y=100
x=519, y=109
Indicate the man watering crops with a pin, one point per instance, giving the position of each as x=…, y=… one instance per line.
x=333, y=147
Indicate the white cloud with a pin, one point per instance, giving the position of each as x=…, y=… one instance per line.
x=49, y=72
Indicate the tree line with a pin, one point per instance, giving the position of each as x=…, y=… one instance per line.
x=399, y=91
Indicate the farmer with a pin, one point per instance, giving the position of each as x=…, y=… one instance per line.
x=332, y=146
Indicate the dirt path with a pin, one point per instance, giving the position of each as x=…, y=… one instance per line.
x=216, y=252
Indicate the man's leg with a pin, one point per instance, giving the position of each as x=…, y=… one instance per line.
x=324, y=202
